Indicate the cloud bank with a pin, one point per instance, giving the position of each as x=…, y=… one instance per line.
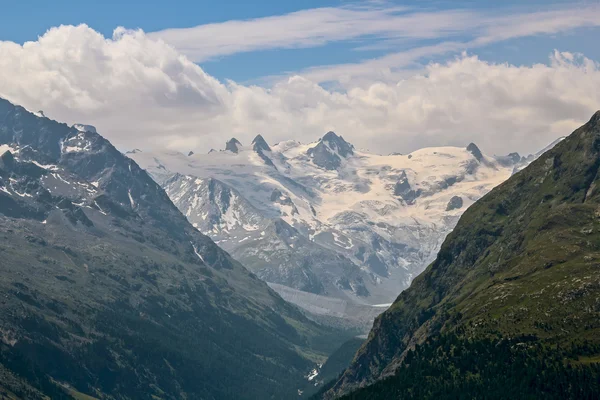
x=141, y=92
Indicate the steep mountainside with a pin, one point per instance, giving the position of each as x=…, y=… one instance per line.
x=106, y=289
x=516, y=284
x=326, y=218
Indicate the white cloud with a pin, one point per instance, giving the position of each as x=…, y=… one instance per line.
x=376, y=25
x=143, y=93
x=313, y=27
x=481, y=30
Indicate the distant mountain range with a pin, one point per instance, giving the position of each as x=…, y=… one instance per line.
x=106, y=290
x=325, y=218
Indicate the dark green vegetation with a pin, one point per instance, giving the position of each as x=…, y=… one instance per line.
x=451, y=368
x=518, y=280
x=106, y=290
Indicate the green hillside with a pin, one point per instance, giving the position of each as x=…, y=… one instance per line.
x=511, y=305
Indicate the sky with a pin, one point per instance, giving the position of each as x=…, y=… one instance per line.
x=390, y=76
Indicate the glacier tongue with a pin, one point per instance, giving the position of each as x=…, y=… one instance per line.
x=356, y=227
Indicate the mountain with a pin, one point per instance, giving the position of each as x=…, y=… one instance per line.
x=108, y=291
x=510, y=307
x=325, y=218
x=330, y=151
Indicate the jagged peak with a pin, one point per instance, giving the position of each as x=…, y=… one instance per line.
x=233, y=145
x=337, y=142
x=259, y=143
x=134, y=151
x=191, y=153
x=473, y=149
x=329, y=149
x=331, y=135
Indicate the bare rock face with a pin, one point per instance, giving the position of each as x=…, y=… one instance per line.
x=330, y=150
x=260, y=144
x=455, y=203
x=473, y=149
x=403, y=189
x=233, y=145
x=260, y=147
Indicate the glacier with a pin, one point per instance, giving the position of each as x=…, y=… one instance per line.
x=324, y=222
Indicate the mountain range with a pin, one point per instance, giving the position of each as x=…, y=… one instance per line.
x=326, y=225
x=108, y=291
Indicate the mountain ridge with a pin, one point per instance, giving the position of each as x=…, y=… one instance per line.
x=108, y=290
x=520, y=265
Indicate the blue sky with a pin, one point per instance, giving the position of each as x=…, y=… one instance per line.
x=25, y=21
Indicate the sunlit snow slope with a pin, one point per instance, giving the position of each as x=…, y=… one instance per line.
x=324, y=217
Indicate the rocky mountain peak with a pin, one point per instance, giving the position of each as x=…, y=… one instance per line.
x=331, y=135
x=330, y=150
x=260, y=144
x=473, y=149
x=338, y=144
x=233, y=145
x=191, y=153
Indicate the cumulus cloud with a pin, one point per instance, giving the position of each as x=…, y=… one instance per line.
x=143, y=93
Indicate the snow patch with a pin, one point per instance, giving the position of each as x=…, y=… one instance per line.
x=197, y=254
x=131, y=199
x=85, y=128
x=99, y=208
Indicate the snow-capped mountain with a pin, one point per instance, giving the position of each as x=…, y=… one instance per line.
x=324, y=217
x=101, y=272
